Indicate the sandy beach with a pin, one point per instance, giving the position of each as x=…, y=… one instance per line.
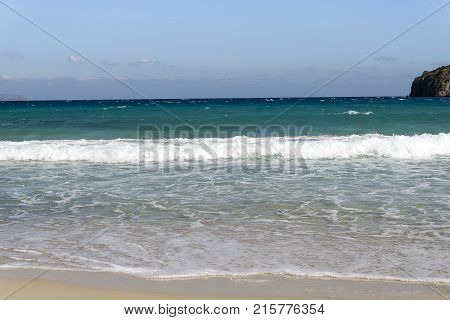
x=92, y=285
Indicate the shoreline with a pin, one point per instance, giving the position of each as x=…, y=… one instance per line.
x=82, y=285
x=25, y=270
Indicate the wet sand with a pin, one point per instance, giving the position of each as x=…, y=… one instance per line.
x=39, y=284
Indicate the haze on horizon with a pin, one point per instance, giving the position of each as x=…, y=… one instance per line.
x=180, y=49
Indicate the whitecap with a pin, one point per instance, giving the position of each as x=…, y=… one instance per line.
x=353, y=112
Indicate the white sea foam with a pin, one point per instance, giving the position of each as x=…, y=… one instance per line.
x=353, y=112
x=425, y=146
x=152, y=275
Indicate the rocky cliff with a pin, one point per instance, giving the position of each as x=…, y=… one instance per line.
x=434, y=83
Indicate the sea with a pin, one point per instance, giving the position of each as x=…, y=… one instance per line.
x=317, y=187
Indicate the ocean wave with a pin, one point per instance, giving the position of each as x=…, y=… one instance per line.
x=425, y=146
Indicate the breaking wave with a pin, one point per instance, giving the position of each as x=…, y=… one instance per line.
x=425, y=146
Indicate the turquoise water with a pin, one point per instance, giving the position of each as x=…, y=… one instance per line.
x=344, y=187
x=119, y=119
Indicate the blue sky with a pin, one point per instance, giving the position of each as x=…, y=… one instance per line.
x=181, y=49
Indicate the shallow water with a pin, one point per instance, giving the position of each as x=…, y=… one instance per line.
x=354, y=200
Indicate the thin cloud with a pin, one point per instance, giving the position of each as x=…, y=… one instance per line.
x=386, y=58
x=76, y=59
x=12, y=77
x=139, y=62
x=10, y=55
x=6, y=77
x=110, y=63
x=310, y=69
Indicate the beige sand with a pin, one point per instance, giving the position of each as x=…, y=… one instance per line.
x=91, y=285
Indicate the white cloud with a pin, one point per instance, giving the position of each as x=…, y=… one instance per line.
x=139, y=62
x=11, y=77
x=76, y=59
